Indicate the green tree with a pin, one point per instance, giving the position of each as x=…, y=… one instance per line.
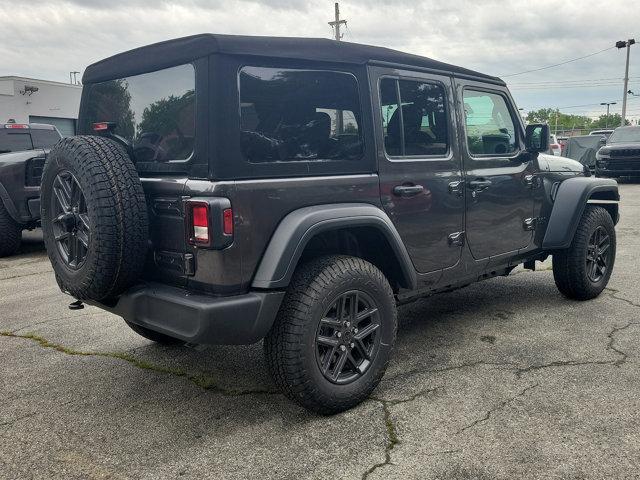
x=613, y=120
x=564, y=121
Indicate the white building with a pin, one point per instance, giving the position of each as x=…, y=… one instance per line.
x=27, y=100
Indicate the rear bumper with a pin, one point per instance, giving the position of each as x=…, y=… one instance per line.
x=197, y=318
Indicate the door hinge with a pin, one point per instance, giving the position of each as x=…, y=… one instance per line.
x=456, y=239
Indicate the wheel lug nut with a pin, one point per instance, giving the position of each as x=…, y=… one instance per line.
x=352, y=344
x=355, y=330
x=339, y=334
x=348, y=324
x=343, y=348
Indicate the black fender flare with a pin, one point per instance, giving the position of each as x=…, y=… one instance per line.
x=570, y=201
x=9, y=205
x=300, y=226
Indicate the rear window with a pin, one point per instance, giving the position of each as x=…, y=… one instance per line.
x=154, y=111
x=15, y=140
x=44, y=138
x=299, y=115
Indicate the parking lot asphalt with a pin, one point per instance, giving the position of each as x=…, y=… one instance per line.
x=503, y=379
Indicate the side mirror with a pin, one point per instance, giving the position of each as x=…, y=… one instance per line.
x=537, y=138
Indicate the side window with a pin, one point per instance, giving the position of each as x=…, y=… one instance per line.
x=299, y=115
x=490, y=127
x=420, y=126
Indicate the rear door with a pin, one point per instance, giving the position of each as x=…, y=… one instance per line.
x=499, y=172
x=419, y=164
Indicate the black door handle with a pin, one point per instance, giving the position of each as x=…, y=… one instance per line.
x=407, y=190
x=479, y=184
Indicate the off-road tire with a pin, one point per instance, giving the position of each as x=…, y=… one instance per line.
x=154, y=336
x=569, y=265
x=290, y=346
x=117, y=213
x=10, y=233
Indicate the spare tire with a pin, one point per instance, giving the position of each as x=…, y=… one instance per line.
x=94, y=217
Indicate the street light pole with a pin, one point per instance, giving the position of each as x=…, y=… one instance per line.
x=606, y=119
x=627, y=44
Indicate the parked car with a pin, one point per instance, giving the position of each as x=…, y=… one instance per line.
x=562, y=140
x=297, y=190
x=620, y=157
x=607, y=132
x=22, y=154
x=554, y=145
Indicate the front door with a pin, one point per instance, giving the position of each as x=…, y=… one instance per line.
x=498, y=172
x=419, y=164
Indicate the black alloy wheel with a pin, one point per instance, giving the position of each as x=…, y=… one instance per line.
x=347, y=338
x=598, y=254
x=70, y=220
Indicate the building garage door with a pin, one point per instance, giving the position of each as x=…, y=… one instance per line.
x=67, y=126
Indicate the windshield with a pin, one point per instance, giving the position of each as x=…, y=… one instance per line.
x=625, y=135
x=154, y=111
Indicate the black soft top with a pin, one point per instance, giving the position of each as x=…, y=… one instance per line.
x=183, y=50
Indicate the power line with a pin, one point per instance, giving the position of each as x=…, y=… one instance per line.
x=552, y=87
x=557, y=64
x=583, y=80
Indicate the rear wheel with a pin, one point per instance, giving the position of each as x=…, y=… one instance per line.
x=333, y=338
x=10, y=233
x=582, y=271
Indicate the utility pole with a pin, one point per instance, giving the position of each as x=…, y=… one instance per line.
x=606, y=120
x=627, y=44
x=337, y=22
x=336, y=27
x=557, y=113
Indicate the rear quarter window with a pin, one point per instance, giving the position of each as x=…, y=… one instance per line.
x=290, y=115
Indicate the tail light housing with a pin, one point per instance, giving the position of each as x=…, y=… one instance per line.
x=209, y=222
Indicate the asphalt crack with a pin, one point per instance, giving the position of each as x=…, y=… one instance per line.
x=612, y=293
x=392, y=431
x=488, y=414
x=200, y=380
x=611, y=343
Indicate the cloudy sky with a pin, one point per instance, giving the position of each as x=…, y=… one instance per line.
x=48, y=38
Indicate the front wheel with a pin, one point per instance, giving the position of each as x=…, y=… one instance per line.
x=582, y=271
x=333, y=338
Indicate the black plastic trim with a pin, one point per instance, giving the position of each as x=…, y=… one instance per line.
x=296, y=229
x=568, y=207
x=197, y=318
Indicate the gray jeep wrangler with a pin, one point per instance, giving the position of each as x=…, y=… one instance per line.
x=23, y=148
x=230, y=189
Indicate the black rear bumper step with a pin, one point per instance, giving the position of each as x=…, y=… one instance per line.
x=198, y=318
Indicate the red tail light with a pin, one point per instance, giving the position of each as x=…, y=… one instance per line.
x=15, y=125
x=103, y=126
x=200, y=224
x=209, y=222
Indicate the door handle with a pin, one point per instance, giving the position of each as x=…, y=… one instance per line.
x=407, y=190
x=479, y=184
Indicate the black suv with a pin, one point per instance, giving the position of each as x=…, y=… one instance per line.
x=22, y=154
x=228, y=189
x=620, y=157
